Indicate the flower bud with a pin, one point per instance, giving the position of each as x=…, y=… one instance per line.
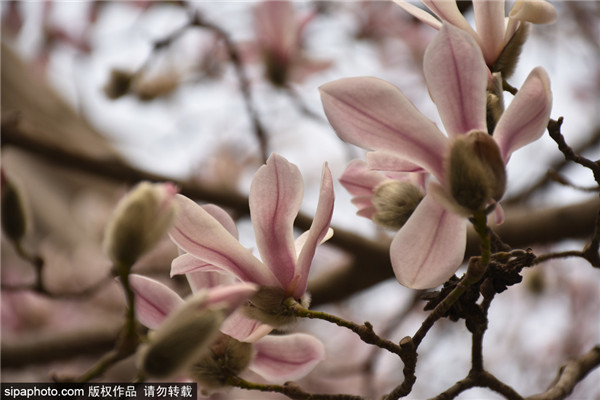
x=476, y=170
x=394, y=203
x=508, y=58
x=182, y=338
x=227, y=357
x=139, y=221
x=268, y=305
x=14, y=221
x=494, y=101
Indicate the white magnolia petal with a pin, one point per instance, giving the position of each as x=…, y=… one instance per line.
x=286, y=357
x=430, y=247
x=153, y=300
x=374, y=114
x=526, y=118
x=275, y=199
x=456, y=76
x=489, y=21
x=419, y=13
x=199, y=234
x=319, y=229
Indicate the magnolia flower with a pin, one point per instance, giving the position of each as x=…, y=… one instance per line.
x=279, y=33
x=374, y=114
x=275, y=197
x=276, y=358
x=493, y=33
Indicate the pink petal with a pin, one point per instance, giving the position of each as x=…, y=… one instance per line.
x=198, y=233
x=244, y=329
x=223, y=217
x=359, y=180
x=275, y=197
x=489, y=21
x=208, y=279
x=430, y=247
x=390, y=162
x=286, y=357
x=535, y=11
x=456, y=76
x=317, y=232
x=526, y=117
x=230, y=296
x=374, y=114
x=186, y=263
x=419, y=13
x=448, y=11
x=153, y=300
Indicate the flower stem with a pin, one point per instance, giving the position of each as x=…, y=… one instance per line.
x=289, y=389
x=365, y=331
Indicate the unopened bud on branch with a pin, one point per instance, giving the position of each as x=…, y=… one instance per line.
x=184, y=337
x=476, y=170
x=227, y=357
x=394, y=203
x=139, y=221
x=268, y=305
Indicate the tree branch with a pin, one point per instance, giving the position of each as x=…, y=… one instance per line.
x=570, y=375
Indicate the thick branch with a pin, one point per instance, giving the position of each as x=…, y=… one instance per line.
x=570, y=375
x=371, y=263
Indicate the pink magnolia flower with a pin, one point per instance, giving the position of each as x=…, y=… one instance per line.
x=275, y=358
x=275, y=197
x=279, y=34
x=493, y=33
x=375, y=115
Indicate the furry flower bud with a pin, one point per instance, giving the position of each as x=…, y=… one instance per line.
x=184, y=337
x=227, y=357
x=139, y=221
x=394, y=203
x=268, y=305
x=476, y=170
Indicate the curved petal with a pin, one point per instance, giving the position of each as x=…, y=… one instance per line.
x=153, y=300
x=430, y=247
x=187, y=263
x=489, y=21
x=419, y=13
x=374, y=114
x=317, y=232
x=534, y=11
x=225, y=219
x=390, y=162
x=199, y=280
x=359, y=180
x=275, y=197
x=456, y=76
x=198, y=233
x=244, y=329
x=230, y=296
x=527, y=116
x=286, y=357
x=448, y=11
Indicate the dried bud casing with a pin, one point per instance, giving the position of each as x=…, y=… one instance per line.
x=508, y=58
x=268, y=305
x=139, y=221
x=182, y=338
x=227, y=357
x=14, y=221
x=119, y=83
x=476, y=170
x=394, y=203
